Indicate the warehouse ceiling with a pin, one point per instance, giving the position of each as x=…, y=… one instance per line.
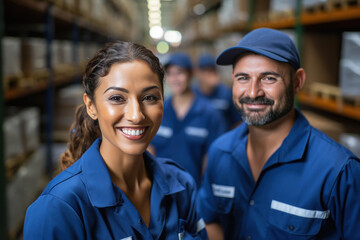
x=168, y=7
x=175, y=14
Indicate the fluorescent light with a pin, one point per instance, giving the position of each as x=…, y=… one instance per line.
x=156, y=32
x=162, y=47
x=173, y=36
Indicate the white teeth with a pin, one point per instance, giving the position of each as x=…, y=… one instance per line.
x=133, y=132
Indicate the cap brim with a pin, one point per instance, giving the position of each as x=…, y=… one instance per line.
x=229, y=56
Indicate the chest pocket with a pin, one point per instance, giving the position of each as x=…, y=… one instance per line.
x=291, y=222
x=224, y=196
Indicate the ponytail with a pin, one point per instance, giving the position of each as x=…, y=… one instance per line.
x=83, y=132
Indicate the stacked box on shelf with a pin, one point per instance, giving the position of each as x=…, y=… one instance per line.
x=13, y=141
x=30, y=118
x=282, y=8
x=350, y=65
x=21, y=134
x=208, y=25
x=67, y=100
x=33, y=60
x=11, y=60
x=320, y=58
x=233, y=12
x=261, y=13
x=63, y=63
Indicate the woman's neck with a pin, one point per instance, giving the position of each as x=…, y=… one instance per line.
x=182, y=103
x=126, y=171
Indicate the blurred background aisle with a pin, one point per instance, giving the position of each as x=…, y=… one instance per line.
x=46, y=44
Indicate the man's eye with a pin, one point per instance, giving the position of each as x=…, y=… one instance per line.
x=242, y=78
x=269, y=79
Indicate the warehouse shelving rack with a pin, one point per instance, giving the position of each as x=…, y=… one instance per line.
x=46, y=20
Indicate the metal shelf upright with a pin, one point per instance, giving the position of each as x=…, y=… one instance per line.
x=3, y=214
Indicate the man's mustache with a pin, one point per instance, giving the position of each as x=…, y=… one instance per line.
x=257, y=100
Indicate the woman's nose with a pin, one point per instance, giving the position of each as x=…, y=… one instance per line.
x=134, y=112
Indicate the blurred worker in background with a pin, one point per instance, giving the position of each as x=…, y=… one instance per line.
x=111, y=187
x=190, y=124
x=275, y=176
x=210, y=86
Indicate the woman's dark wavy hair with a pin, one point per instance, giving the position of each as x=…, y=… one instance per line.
x=84, y=130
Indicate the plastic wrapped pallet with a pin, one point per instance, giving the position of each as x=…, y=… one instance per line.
x=352, y=142
x=33, y=55
x=11, y=56
x=349, y=78
x=11, y=59
x=67, y=101
x=30, y=121
x=233, y=12
x=350, y=64
x=24, y=188
x=312, y=3
x=279, y=8
x=350, y=49
x=13, y=137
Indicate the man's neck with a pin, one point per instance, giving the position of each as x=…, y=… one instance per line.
x=263, y=141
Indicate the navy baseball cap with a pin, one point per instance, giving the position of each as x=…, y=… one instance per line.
x=206, y=61
x=179, y=59
x=264, y=41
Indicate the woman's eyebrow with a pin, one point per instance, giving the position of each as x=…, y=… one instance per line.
x=127, y=91
x=117, y=88
x=150, y=88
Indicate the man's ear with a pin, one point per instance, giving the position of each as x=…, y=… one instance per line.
x=90, y=107
x=299, y=80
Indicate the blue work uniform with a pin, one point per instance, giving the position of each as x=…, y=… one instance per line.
x=221, y=100
x=187, y=141
x=308, y=189
x=83, y=203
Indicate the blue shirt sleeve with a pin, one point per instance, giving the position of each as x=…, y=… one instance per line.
x=345, y=201
x=194, y=226
x=217, y=126
x=205, y=199
x=51, y=218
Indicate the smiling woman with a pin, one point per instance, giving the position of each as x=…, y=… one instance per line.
x=111, y=188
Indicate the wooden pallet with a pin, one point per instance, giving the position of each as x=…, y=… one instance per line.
x=273, y=16
x=14, y=163
x=331, y=5
x=330, y=92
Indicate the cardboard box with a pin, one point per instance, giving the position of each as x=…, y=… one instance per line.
x=320, y=59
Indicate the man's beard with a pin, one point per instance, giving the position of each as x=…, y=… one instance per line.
x=255, y=118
